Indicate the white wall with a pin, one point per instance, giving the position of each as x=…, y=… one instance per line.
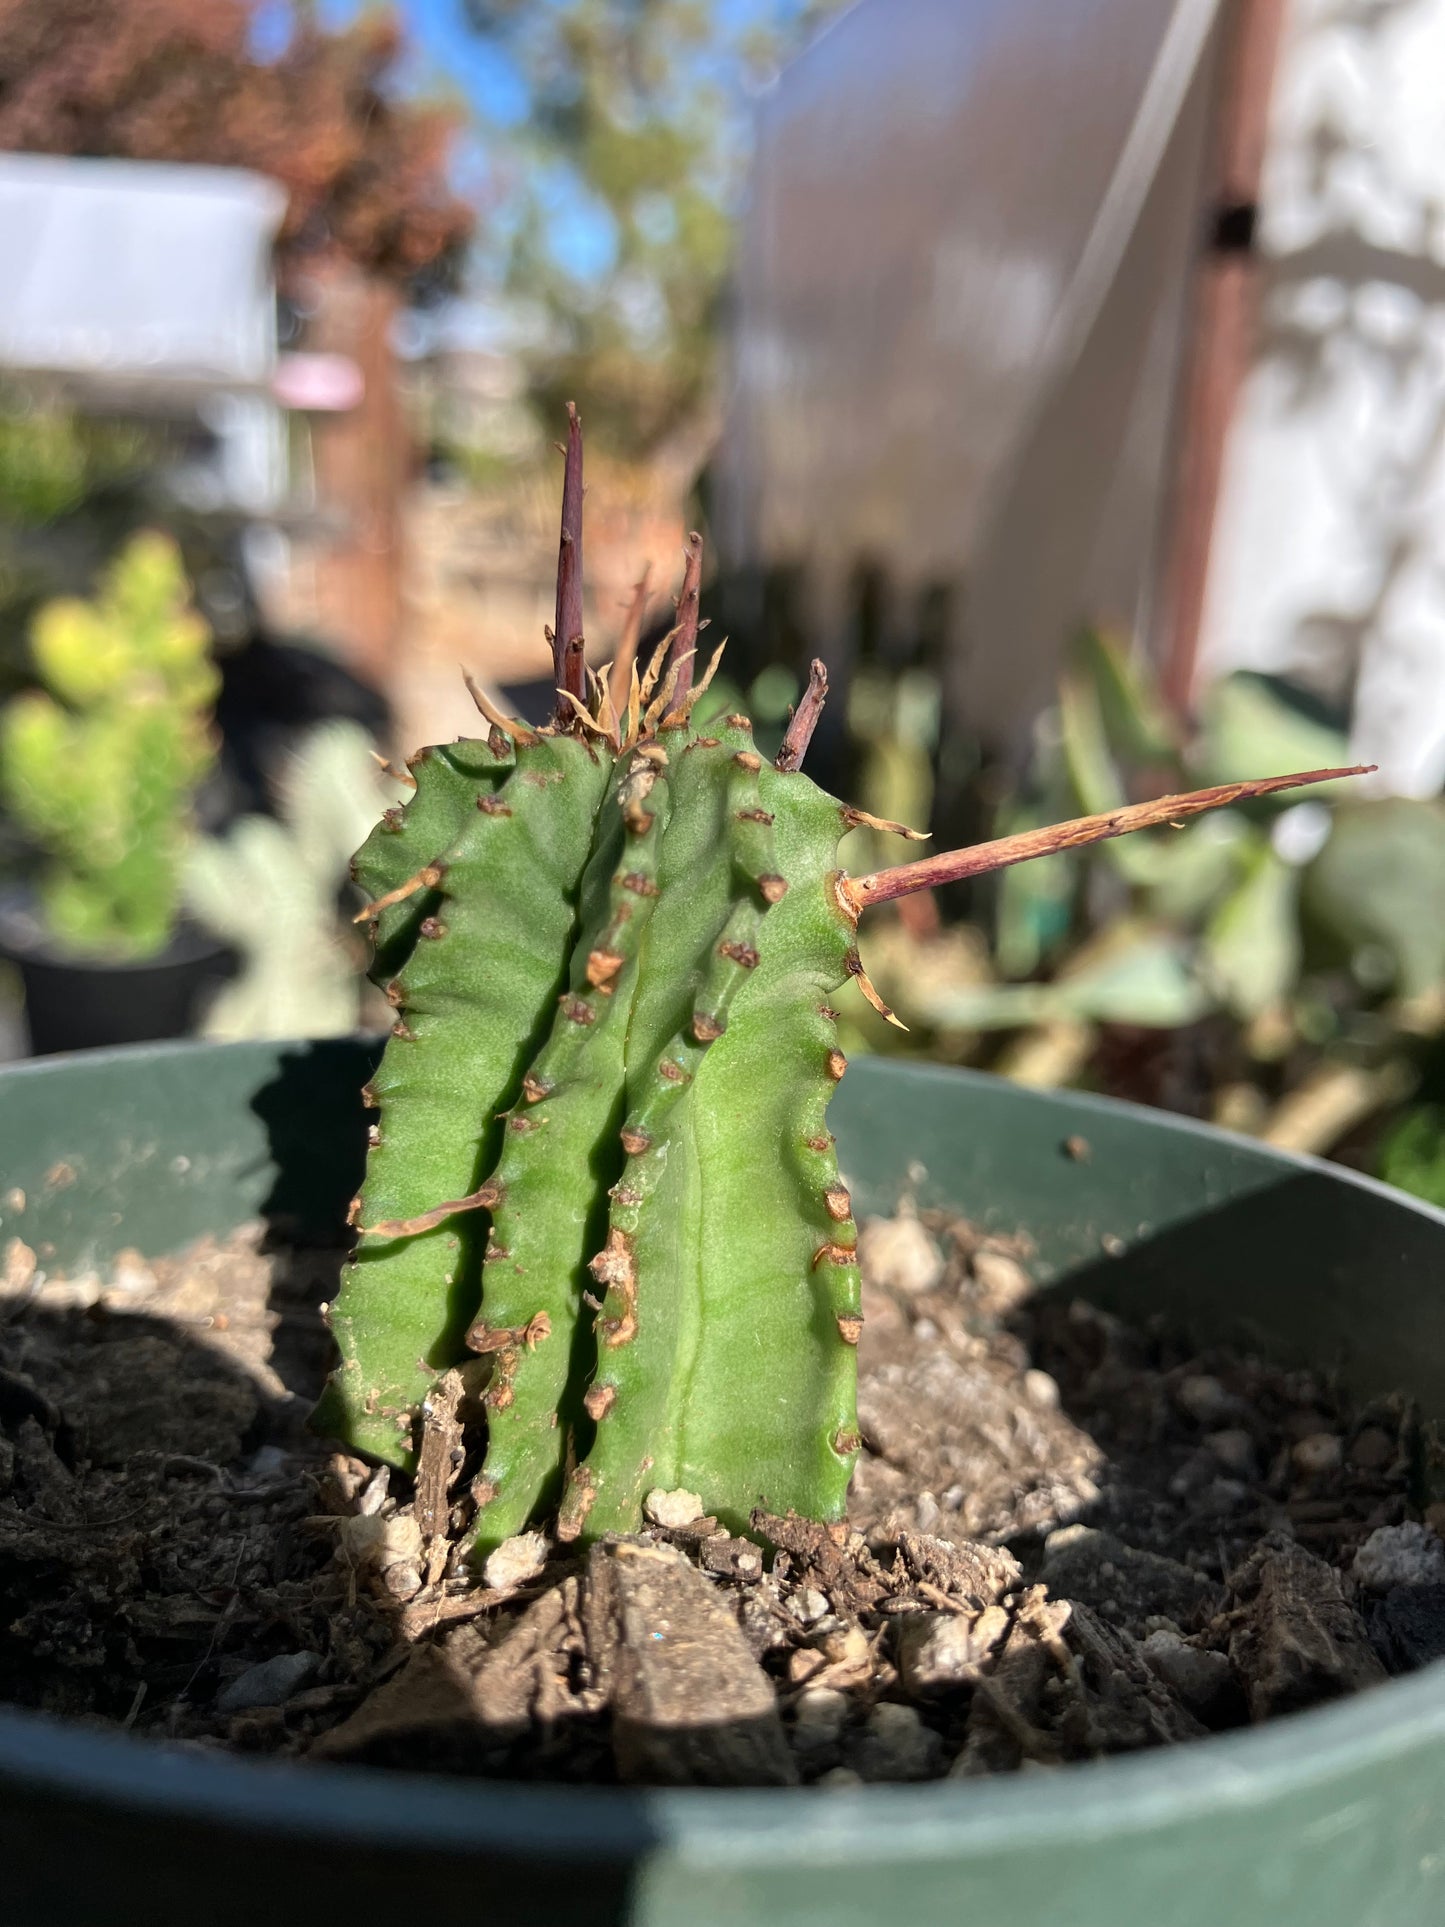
x=130, y=269
x=1329, y=551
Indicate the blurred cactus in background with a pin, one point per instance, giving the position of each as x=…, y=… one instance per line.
x=271, y=888
x=1276, y=967
x=52, y=459
x=1159, y=931
x=100, y=766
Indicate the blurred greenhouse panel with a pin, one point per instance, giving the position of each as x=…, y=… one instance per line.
x=960, y=311
x=126, y=271
x=149, y=287
x=1131, y=313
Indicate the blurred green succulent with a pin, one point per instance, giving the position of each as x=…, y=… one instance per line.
x=101, y=764
x=1314, y=936
x=52, y=459
x=1222, y=896
x=1375, y=894
x=271, y=888
x=1412, y=1155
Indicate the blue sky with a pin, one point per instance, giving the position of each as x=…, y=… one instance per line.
x=447, y=58
x=446, y=54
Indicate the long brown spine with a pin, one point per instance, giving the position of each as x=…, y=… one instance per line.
x=569, y=671
x=953, y=866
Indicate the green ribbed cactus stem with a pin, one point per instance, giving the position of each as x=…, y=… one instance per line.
x=473, y=1000
x=601, y=1168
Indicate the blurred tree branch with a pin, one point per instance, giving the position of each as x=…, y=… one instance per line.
x=638, y=122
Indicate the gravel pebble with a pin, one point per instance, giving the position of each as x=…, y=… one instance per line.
x=897, y=1254
x=820, y=1711
x=939, y=1651
x=1203, y=1398
x=1318, y=1453
x=673, y=1509
x=1196, y=1674
x=517, y=1560
x=1404, y=1555
x=1004, y=1281
x=895, y=1745
x=1041, y=1389
x=271, y=1683
x=1234, y=1450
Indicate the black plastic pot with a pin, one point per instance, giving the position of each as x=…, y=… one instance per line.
x=1332, y=1818
x=80, y=1003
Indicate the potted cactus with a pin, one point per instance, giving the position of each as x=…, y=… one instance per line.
x=610, y=943
x=99, y=767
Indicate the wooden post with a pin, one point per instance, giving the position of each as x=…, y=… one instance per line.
x=362, y=462
x=1224, y=310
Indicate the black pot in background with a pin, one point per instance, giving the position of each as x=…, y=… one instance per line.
x=80, y=1003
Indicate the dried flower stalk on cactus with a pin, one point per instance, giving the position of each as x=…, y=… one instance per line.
x=600, y=1168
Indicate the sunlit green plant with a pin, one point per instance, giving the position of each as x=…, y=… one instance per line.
x=51, y=459
x=100, y=764
x=1314, y=941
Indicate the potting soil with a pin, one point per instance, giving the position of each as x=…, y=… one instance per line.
x=1068, y=1537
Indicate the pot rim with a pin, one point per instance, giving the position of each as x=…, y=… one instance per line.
x=1128, y=1795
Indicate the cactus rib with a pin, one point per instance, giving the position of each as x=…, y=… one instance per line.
x=556, y=1158
x=471, y=1000
x=720, y=1363
x=448, y=782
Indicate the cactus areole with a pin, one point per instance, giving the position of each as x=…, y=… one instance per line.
x=601, y=1180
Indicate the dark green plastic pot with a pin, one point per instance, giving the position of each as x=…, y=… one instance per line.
x=1334, y=1818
